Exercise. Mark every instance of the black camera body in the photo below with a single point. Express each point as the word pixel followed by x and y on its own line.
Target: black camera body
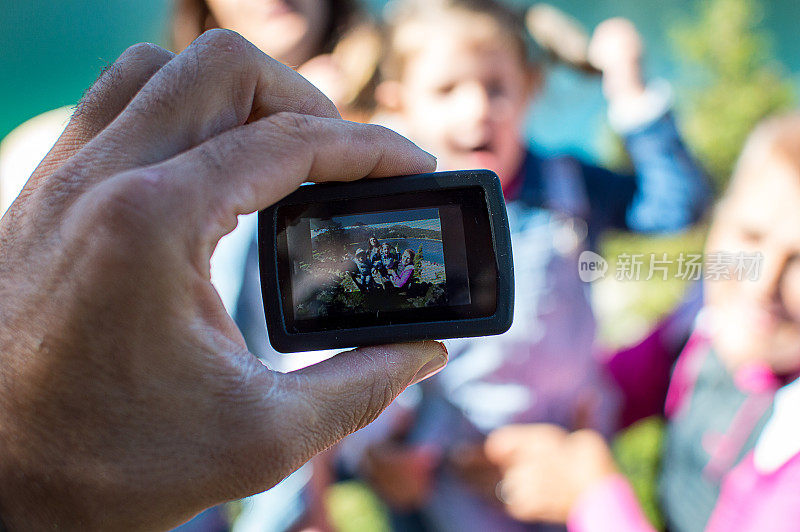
pixel 389 260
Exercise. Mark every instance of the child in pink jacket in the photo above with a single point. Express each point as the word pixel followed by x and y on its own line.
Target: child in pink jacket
pixel 731 456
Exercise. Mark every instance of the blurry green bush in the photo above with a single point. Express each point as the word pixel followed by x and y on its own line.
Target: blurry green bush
pixel 731 80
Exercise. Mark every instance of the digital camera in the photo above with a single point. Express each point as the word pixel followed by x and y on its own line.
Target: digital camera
pixel 375 261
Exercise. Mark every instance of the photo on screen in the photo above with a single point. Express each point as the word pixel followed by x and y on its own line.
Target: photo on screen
pixel 372 262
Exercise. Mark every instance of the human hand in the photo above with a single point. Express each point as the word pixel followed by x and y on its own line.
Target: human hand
pixel 401 474
pixel 472 466
pixel 616 49
pixel 545 469
pixel 128 397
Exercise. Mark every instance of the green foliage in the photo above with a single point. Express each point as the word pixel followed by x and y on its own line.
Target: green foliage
pixel 353 507
pixel 637 451
pixel 627 309
pixel 734 81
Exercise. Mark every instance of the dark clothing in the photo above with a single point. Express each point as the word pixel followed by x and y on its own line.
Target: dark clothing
pixel 667 193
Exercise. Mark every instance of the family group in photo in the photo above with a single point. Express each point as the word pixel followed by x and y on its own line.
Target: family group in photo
pixel 379 267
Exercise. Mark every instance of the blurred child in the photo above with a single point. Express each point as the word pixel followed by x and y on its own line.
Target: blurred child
pixel 720 470
pixel 459 79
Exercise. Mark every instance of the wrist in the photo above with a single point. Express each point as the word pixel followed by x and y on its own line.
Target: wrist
pixel 623 83
pixel 633 113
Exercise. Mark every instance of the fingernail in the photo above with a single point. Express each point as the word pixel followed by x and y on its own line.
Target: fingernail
pixel 431 368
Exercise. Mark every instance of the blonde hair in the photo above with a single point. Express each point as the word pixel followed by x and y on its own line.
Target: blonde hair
pixel 777 137
pixel 402 42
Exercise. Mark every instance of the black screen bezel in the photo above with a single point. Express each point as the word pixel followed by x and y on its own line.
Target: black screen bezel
pixel 481 263
pixel 273 274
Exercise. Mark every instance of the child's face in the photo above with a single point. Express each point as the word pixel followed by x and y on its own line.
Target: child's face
pixel 464 96
pixel 759 321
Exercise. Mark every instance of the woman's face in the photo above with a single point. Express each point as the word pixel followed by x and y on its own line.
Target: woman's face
pixel 385 249
pixel 407 258
pixel 759 320
pixel 373 241
pixel 290 31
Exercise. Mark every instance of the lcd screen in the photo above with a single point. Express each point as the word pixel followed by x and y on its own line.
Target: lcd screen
pixel 380 261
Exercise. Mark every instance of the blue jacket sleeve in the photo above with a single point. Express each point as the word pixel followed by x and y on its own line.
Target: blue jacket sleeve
pixel 668 192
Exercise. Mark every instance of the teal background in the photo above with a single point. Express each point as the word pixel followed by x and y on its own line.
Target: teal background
pixel 52 50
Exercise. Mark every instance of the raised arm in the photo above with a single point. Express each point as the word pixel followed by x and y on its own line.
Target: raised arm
pixel 400 281
pixel 668 191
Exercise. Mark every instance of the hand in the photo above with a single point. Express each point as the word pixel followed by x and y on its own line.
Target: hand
pixel 127 396
pixel 401 474
pixel 545 469
pixel 616 49
pixel 470 463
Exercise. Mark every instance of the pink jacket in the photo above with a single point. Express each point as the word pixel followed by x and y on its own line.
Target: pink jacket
pixel 762 492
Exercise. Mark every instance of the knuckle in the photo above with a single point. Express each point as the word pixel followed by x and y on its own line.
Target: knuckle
pixel 145 52
pixel 214 70
pixel 380 392
pixel 303 128
pixel 378 398
pixel 210 156
pixel 224 40
pixel 129 204
pixel 221 49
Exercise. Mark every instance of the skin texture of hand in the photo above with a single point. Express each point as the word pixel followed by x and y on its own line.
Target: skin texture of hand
pixel 128 399
pixel 546 469
pixel 616 49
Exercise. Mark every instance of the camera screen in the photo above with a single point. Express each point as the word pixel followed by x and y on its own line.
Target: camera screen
pixel 376 262
pixel 346 264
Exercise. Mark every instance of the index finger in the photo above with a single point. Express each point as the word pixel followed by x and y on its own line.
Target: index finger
pixel 251 167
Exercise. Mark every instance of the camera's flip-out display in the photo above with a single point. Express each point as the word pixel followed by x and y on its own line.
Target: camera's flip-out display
pixel 387 260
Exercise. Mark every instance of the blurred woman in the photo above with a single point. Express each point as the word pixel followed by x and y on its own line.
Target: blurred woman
pixel 331 42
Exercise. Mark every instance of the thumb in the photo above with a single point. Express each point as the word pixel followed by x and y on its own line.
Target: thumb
pixel 321 404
